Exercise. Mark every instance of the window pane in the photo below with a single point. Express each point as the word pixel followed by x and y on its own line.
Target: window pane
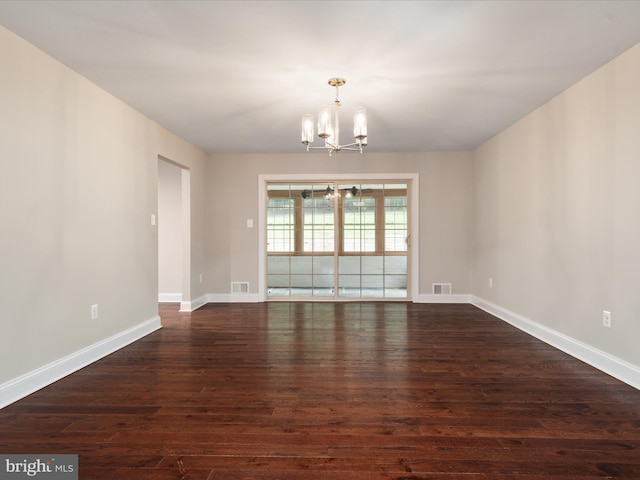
pixel 372 265
pixel 359 231
pixel 349 265
pixel 280 224
pixel 395 224
pixel 319 222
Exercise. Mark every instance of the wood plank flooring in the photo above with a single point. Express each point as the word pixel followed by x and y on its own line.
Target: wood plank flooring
pixel 317 391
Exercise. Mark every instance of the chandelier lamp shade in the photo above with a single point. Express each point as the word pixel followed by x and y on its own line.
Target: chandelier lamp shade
pixel 329 125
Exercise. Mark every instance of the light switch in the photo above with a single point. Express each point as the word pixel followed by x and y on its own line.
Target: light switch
pixel 250 223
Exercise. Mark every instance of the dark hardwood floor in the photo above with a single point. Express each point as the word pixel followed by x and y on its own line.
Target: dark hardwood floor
pixel 316 391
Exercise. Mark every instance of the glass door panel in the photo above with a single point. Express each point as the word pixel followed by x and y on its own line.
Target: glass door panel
pixel 318 221
pixel 323 276
pixel 372 276
pixel 359 224
pixel 300 240
pixel 349 278
pixel 348 235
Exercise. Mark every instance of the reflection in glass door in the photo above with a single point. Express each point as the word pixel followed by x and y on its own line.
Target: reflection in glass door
pixel 346 240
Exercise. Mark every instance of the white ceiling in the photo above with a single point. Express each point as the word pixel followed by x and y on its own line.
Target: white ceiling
pixel 235 76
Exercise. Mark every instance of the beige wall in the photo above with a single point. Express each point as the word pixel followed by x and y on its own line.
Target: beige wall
pixel 557 212
pixel 77 188
pixel 77 192
pixel 549 209
pixel 445 209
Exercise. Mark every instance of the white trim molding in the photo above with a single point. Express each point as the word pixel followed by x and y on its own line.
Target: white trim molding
pixel 190 306
pixel 219 298
pixel 616 367
pixel 412 178
pixel 33 381
pixel 169 297
pixel 454 298
pixel 234 298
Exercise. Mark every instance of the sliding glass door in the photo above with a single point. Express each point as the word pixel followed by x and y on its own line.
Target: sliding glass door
pixel 337 240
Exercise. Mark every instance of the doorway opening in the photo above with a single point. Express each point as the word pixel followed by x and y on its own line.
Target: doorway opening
pixel 174 233
pixel 346 239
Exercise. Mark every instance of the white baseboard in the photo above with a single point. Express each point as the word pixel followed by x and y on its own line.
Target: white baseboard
pixel 33 381
pixel 429 298
pixel 616 367
pixel 234 298
pixel 194 304
pixel 219 298
pixel 169 297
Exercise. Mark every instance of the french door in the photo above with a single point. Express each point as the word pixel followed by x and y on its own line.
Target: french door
pixel 337 240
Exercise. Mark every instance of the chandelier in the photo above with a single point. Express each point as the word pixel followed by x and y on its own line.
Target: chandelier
pixel 330 131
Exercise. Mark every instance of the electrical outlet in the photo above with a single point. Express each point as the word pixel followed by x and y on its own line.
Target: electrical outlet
pixel 490 282
pixel 94 311
pixel 606 319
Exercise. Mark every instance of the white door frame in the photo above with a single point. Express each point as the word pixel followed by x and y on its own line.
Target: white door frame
pixel 185 229
pixel 413 179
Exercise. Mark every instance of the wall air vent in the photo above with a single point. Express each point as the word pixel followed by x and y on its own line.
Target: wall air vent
pixel 441 288
pixel 239 287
